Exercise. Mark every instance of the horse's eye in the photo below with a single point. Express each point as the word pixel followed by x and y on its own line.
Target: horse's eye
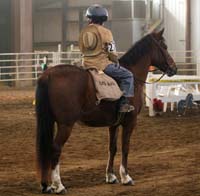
pixel 163 45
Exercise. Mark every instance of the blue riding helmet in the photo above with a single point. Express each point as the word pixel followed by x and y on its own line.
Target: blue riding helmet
pixel 97 12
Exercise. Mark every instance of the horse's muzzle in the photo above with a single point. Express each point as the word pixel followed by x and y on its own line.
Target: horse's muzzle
pixel 171 71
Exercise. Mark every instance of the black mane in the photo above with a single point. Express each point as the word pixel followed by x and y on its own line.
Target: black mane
pixel 138 50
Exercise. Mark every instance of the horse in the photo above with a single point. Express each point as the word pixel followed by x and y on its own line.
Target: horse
pixel 65 94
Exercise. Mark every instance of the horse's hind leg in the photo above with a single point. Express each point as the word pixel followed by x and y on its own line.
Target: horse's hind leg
pixel 126 134
pixel 110 176
pixel 62 136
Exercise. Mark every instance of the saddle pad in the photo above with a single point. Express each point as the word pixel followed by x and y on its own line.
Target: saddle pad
pixel 106 87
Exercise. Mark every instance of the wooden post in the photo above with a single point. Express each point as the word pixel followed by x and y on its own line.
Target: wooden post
pixel 64 23
pixel 22 33
pixel 188 30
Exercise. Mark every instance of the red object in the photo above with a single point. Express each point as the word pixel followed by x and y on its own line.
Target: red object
pixel 157 105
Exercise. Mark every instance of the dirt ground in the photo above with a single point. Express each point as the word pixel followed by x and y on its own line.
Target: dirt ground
pixel 164 155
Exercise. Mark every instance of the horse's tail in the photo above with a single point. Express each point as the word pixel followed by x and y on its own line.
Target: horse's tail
pixel 45 129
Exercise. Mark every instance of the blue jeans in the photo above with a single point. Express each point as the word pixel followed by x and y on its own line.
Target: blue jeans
pixel 123 77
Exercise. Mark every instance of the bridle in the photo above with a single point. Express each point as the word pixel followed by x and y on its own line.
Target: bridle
pixel 158 44
pixel 163 52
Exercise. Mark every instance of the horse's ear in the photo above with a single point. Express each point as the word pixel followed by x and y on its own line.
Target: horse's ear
pixel 160 33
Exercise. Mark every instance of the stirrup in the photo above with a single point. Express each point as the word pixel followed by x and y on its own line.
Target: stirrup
pixel 126 108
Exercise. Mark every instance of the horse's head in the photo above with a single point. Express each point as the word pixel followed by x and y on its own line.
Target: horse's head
pixel 161 57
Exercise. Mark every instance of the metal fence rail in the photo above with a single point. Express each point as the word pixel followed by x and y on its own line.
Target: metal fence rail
pixel 27 66
pixel 188 62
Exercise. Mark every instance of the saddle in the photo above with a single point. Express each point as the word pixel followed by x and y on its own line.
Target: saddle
pixel 106 87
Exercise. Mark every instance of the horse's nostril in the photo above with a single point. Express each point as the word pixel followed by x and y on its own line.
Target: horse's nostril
pixel 175 70
pixel 172 71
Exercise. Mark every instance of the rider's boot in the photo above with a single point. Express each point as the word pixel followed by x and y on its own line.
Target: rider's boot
pixel 124 105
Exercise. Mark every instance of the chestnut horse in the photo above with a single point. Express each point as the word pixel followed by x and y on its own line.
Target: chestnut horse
pixel 66 94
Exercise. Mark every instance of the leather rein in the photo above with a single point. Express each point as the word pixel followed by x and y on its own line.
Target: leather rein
pixel 142 81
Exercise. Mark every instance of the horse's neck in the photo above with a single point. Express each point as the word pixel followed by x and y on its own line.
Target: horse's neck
pixel 140 69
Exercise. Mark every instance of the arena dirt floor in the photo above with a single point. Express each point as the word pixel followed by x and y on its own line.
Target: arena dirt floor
pixel 164 155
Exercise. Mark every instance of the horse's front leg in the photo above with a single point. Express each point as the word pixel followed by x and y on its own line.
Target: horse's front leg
pixel 110 176
pixel 126 134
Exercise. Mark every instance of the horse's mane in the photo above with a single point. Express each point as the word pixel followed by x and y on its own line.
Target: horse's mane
pixel 138 50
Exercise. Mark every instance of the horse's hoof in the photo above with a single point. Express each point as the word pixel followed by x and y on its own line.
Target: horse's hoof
pixel 62 192
pixel 47 190
pixel 111 178
pixel 115 181
pixel 129 183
